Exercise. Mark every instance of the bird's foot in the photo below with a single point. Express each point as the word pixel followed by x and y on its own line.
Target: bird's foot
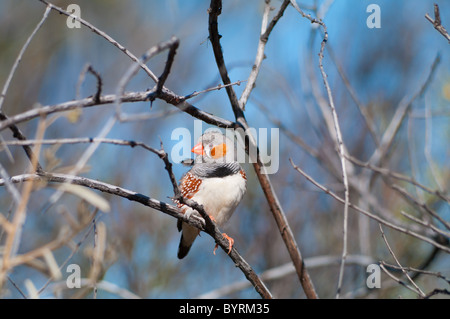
pixel 230 244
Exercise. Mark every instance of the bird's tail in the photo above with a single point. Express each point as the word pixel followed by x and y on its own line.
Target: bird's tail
pixel 188 236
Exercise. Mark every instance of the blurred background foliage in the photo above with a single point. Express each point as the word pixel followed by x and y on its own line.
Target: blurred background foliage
pixel 382 65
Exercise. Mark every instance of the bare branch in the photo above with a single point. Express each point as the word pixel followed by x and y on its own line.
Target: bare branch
pixel 166 95
pixel 218 87
pixel 399 116
pixel 389 173
pixel 171 44
pixel 18 219
pixel 422 205
pixel 399 281
pixel 264 37
pixel 160 206
pixel 437 22
pixel 369 214
pixel 258 59
pixel 103 285
pixel 19 57
pixel 361 108
pixel 162 79
pixel 215 9
pixel 285 270
pixel 421 293
pixel 98 93
pixel 272 199
pixel 420 271
pixel 437 291
pixel 105 36
pixel 339 140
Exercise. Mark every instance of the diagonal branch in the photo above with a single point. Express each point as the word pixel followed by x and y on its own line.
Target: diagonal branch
pixel 400 114
pixel 214 11
pixel 441 245
pixel 170 44
pixel 166 95
pixel 272 199
pixel 258 59
pixel 437 22
pixel 103 35
pixel 17 133
pixel 155 204
pixel 19 57
pixel 417 289
pixel 162 79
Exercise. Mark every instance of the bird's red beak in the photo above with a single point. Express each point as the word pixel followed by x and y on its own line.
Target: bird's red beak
pixel 198 149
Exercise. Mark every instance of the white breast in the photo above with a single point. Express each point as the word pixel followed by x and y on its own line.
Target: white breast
pixel 220 196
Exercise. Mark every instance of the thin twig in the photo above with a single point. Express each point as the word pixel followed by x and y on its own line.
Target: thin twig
pixel 369 214
pixel 264 37
pixel 103 285
pixel 400 114
pixel 170 58
pixel 437 22
pixel 79 140
pixel 82 161
pixel 361 108
pixel 166 95
pixel 17 133
pixel 399 281
pixel 18 219
pixel 103 35
pixel 74 250
pixel 19 57
pixel 339 140
pixel 437 291
pixel 422 205
pixel 421 293
pixel 17 198
pixel 155 204
pixel 426 224
pixel 133 70
pixel 416 270
pixel 286 270
pixel 98 93
pixel 218 87
pixel 17 287
pixel 427 147
pixel 258 59
pixel 401 177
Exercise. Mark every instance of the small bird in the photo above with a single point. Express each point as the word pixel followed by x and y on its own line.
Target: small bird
pixel 216 181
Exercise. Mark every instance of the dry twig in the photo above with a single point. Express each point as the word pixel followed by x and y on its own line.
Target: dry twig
pixel 437 22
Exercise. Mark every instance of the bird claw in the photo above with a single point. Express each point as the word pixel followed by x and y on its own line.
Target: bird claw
pixel 230 244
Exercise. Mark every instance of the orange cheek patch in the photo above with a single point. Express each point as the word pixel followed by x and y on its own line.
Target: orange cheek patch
pixel 219 151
